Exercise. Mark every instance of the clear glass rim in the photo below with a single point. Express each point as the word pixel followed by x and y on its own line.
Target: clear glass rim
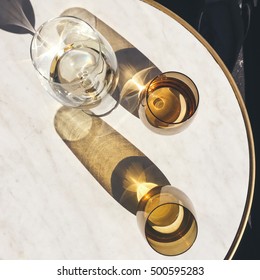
pixel 38 32
pixel 178 73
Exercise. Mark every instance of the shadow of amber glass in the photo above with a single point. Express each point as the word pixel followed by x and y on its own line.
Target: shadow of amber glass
pixel 120 168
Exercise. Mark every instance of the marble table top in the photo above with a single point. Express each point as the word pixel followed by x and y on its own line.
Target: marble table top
pixel 52 208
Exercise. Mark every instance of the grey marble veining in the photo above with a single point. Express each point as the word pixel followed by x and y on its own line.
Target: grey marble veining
pixel 52 208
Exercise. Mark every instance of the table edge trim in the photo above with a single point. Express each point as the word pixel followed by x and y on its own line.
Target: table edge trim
pixel 250 138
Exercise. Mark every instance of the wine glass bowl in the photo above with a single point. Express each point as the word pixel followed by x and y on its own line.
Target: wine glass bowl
pixel 168 103
pixel 75 63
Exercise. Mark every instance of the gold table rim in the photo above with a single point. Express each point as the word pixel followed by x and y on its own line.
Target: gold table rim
pixel 250 138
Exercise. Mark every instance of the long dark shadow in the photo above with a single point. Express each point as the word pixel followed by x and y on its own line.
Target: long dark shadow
pixel 119 167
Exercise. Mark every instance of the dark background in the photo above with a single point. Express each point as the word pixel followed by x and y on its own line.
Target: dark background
pixel 232 27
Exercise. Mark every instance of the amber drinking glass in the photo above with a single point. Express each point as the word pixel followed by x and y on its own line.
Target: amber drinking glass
pixel 168 103
pixel 167 219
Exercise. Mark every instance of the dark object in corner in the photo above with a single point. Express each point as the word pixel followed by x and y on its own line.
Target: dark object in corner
pixel 218 21
pixel 249 248
pixel 222 26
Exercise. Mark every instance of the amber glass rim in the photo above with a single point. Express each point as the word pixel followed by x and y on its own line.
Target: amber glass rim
pixel 178 199
pixel 179 73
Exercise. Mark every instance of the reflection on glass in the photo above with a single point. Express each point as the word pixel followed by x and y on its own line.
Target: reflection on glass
pixel 133 86
pixel 77 66
pixel 168 103
pixel 167 219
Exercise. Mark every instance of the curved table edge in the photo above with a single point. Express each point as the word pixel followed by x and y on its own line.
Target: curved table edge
pixel 251 147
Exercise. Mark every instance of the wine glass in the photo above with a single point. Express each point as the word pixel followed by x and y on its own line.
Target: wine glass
pixel 76 64
pixel 168 103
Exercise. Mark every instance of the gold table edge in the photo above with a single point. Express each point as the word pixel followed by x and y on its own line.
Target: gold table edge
pixel 252 159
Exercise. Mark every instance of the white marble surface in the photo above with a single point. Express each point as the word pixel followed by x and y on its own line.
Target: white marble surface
pixel 52 208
